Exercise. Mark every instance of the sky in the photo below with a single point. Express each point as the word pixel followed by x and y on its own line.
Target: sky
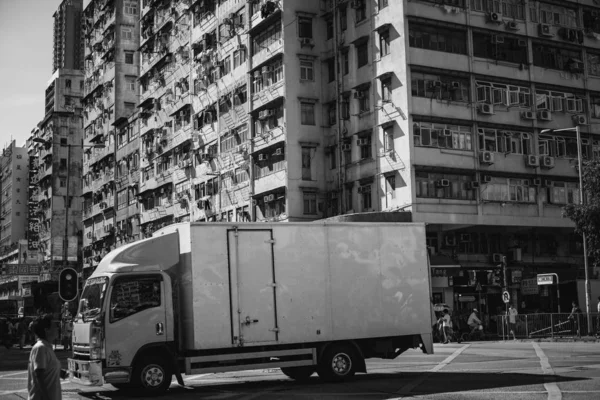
pixel 26 67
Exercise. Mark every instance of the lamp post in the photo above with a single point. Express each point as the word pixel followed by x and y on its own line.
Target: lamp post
pixel 583 235
pixel 67 197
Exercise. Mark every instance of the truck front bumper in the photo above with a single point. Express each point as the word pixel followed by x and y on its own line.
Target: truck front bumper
pixel 88 373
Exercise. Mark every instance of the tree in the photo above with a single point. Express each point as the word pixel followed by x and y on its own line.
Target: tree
pixel 587 216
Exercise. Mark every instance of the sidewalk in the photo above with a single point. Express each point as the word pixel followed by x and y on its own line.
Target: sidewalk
pixel 14 359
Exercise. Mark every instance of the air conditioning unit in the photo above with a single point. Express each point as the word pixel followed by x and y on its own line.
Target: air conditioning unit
pixel 495 17
pixel 486 157
pixel 497 257
pixel 473 185
pixel 579 119
pixel 269 198
pixel 527 115
pixel 486 109
pixel 346 147
pixel 359 94
pixel 512 25
pixel 263 157
pixel 205 157
pixel 264 114
pixel 450 240
pixel 545 30
pixel 278 152
pixel 447 132
pixel 544 115
pixel 547 162
pixel 363 142
pixel 532 161
pixel 522 43
pixel 486 179
pixel 465 237
pixel 442 183
pixel 497 39
pixel 307 42
pixel 357 3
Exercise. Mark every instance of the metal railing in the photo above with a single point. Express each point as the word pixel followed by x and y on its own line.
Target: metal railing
pixel 533 326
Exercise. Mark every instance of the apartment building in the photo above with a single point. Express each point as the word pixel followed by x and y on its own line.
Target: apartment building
pixel 13 199
pixel 55 148
pixel 68 41
pixel 111 36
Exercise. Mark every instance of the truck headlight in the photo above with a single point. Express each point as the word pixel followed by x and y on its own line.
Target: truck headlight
pixel 96 342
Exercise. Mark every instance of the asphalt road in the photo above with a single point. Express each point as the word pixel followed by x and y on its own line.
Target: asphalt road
pixel 474 371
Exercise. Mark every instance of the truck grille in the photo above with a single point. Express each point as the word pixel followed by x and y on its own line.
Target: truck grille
pixel 81 351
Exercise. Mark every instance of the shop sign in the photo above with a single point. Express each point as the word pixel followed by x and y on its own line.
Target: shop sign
pixel 529 286
pixel 466 299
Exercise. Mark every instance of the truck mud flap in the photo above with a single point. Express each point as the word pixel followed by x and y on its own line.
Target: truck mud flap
pixel 426 343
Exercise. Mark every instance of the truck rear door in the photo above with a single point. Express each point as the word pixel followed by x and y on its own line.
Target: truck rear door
pixel 252 277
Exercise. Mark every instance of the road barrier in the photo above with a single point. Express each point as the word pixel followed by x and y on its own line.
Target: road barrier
pixel 547 325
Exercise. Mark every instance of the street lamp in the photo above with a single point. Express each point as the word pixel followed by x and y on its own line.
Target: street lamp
pixel 583 235
pixel 67 197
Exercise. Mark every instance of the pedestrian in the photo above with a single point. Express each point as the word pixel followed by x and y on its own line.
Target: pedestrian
pixel 474 322
pixel 447 326
pixel 21 332
pixel 67 332
pixel 512 320
pixel 574 316
pixel 44 372
pixel 598 318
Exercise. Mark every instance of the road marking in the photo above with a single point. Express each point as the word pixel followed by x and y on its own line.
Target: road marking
pixel 3 392
pixel 406 389
pixel 552 388
pixel 13 374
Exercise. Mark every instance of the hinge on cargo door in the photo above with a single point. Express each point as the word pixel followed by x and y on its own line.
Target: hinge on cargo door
pixel 274 330
pixel 272 241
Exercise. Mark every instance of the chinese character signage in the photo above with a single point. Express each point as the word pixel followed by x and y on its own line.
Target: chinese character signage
pixel 19 269
pixel 33 227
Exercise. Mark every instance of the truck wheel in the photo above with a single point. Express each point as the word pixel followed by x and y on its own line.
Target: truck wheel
pixel 298 373
pixel 338 363
pixel 152 376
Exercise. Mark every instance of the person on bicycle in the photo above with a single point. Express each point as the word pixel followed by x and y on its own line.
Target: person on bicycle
pixel 474 322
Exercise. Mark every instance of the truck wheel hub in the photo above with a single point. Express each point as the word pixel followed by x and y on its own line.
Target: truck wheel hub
pixel 154 376
pixel 341 364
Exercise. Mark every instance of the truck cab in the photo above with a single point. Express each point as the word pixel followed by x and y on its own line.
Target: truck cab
pixel 125 316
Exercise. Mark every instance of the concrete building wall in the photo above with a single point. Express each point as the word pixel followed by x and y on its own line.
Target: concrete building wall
pixel 13 195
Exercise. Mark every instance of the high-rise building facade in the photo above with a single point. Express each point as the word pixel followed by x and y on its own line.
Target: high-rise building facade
pixel 56 145
pixel 111 96
pixel 13 196
pixel 68 41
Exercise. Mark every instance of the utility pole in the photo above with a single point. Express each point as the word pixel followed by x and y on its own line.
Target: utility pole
pixel 67 206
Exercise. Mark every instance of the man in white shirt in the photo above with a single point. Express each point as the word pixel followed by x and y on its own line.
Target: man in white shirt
pixel 474 322
pixel 598 319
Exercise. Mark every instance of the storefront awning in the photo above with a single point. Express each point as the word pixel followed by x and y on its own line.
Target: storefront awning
pixel 442 261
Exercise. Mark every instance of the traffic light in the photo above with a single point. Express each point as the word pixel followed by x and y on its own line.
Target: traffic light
pixel 68 284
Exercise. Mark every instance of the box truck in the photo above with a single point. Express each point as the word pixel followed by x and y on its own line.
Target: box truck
pixel 216 297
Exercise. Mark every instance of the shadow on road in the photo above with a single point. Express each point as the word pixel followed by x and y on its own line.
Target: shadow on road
pixel 14 359
pixel 371 385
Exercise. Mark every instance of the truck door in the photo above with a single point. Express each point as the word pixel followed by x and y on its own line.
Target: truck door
pixel 136 316
pixel 252 273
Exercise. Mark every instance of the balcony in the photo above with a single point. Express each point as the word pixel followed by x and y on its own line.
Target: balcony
pixel 268 138
pixel 272 12
pixel 106 178
pixel 270 181
pixel 267 53
pixel 268 94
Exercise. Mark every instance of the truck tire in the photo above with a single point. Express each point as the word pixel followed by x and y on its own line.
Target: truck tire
pixel 338 363
pixel 299 373
pixel 152 375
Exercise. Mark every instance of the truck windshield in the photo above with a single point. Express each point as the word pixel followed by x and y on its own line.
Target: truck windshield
pixel 92 298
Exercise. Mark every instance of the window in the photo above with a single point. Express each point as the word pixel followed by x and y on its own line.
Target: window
pixel 555 57
pixel 329 28
pixel 510 49
pixel 384 43
pixel 558 101
pixel 390 185
pixel 595 106
pixel 331 70
pixel 306 164
pixel 591 22
pixel 63 163
pixel 332 113
pixel 241 176
pixel 552 14
pixel 563 193
pixel 266 38
pixel 310 203
pixel 129 57
pixel 306 71
pixel 239 57
pixel 307 116
pixel 226 65
pixel 68 83
pixel 343 19
pixel 558 146
pixel 382 4
pixel 345 108
pixel 432 86
pixel 504 141
pixel 127 33
pixel 122 199
pixel 444 186
pixel 332 157
pixel 364 103
pixel 388 139
pixel 130 8
pixel 593 63
pixel 365 196
pixel 63 183
pixel 349 197
pixel 133 295
pixel 499 93
pixel 507 189
pixel 305 27
pixel 362 54
pixel 437 38
pixel 364 144
pixel 345 63
pixel 443 136
pixel 360 11
pixel 386 90
pixel 130 83
pixel 508 8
